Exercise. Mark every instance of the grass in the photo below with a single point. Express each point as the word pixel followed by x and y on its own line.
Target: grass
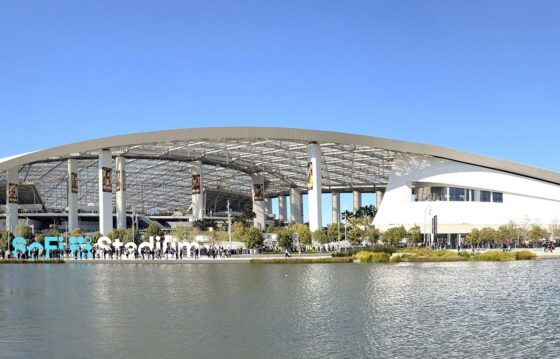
pixel 31 261
pixel 418 255
pixel 494 256
pixel 302 260
pixel 372 257
pixel 524 255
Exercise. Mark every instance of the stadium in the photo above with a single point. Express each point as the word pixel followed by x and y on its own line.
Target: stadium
pixel 176 177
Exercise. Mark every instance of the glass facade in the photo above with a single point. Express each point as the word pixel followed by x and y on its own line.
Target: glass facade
pixel 423 193
pixel 457 194
pixel 485 196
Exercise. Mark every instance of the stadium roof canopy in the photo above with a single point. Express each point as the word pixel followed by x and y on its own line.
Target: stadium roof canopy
pixel 158 163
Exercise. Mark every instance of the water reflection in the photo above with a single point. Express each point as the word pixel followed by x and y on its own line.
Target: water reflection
pixel 282 311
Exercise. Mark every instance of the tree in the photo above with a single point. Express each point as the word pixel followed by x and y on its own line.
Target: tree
pixel 24 231
pixel 153 231
pixel 40 238
pixel 372 234
pixel 5 237
pixel 254 238
pixel 488 235
pixel 394 235
pixel 181 233
pixel 473 238
pixel 505 234
pixel 355 235
pixel 284 237
pixel 303 233
pixel 238 232
pixel 320 236
pixel 77 233
pixel 537 233
pixel 95 236
pixel 52 233
pixel 415 234
pixel 247 215
pixel 333 232
pixel 204 224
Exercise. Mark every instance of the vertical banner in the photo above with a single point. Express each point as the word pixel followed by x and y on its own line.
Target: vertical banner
pixel 73 182
pixel 13 195
pixel 195 188
pixel 258 192
pixel 310 175
pixel 121 181
pixel 106 176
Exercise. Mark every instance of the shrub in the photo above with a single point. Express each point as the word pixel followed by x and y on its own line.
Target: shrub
pixel 495 256
pixel 372 257
pixel 525 255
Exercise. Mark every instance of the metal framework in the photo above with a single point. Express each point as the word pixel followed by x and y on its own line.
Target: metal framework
pixel 159 175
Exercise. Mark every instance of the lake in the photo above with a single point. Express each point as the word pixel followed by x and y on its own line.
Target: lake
pixel 491 310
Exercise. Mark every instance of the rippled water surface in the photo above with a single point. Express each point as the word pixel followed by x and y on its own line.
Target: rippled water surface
pixel 474 310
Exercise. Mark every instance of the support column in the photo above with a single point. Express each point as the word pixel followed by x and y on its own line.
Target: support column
pixel 296 208
pixel 197 191
pixel 282 209
pixel 314 194
pixel 105 192
pixel 258 201
pixel 121 192
pixel 72 195
pixel 378 198
pixel 335 207
pixel 356 200
pixel 12 199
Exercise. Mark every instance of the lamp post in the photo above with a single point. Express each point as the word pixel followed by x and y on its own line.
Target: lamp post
pixel 229 225
pixel 427 212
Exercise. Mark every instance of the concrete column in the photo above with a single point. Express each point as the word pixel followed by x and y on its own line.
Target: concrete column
pixel 72 195
pixel 356 200
pixel 296 205
pixel 335 207
pixel 197 190
pixel 121 192
pixel 259 201
pixel 105 192
pixel 314 194
pixel 378 198
pixel 282 209
pixel 12 199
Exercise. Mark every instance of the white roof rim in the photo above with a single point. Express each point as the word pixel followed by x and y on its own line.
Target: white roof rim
pixel 275 133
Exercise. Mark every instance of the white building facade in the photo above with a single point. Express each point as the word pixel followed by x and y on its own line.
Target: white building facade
pixel 462 196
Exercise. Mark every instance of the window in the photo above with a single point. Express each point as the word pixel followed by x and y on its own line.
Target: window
pixel 470 195
pixel 497 197
pixel 439 194
pixel 456 194
pixel 485 196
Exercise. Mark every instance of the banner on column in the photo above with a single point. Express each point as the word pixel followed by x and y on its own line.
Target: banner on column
pixel 258 192
pixel 13 193
pixel 195 188
pixel 106 178
pixel 73 182
pixel 121 178
pixel 310 175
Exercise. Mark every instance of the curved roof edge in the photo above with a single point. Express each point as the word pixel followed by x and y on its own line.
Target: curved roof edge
pixel 273 133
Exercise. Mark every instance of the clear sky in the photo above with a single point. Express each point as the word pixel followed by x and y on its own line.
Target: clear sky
pixel 476 75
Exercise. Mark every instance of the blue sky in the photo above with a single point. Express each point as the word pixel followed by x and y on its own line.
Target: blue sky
pixel 480 76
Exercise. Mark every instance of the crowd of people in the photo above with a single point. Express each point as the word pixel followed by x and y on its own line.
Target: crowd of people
pixel 120 253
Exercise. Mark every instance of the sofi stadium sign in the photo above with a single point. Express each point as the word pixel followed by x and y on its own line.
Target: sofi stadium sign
pixel 85 245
